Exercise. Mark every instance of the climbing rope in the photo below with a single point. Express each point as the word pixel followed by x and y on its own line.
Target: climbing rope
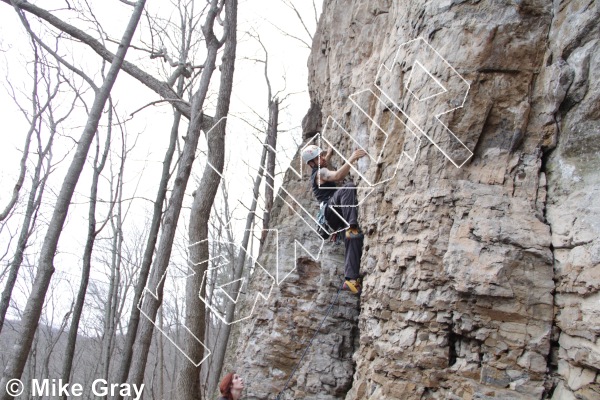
pixel 310 342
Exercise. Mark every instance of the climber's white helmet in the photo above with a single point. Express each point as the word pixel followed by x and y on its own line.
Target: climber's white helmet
pixel 311 152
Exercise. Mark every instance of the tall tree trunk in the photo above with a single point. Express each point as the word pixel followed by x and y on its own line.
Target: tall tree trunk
pixel 269 180
pixel 35 302
pixel 161 357
pixel 213 327
pixel 268 153
pixel 134 317
pixel 152 298
pixel 37 185
pixel 33 202
pixel 36 112
pixel 32 362
pixel 50 346
pixel 111 306
pixel 225 331
pixel 87 259
pixel 188 387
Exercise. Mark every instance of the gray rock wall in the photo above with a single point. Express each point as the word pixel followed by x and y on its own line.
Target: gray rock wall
pixel 573 204
pixel 271 343
pixel 482 281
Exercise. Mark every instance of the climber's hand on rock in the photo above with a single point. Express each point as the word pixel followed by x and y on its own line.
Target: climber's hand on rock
pixel 357 154
pixel 329 153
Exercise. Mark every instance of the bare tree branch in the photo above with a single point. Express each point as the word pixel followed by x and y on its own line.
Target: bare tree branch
pixel 55 54
pixel 161 88
pixel 293 7
pixel 45 268
pixel 36 113
pixel 138 48
pixel 285 34
pixel 154 103
pixel 256 37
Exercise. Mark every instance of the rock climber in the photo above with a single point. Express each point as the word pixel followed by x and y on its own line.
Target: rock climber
pixel 231 387
pixel 340 200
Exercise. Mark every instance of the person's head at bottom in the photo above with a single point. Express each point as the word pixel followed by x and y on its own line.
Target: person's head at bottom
pixel 231 386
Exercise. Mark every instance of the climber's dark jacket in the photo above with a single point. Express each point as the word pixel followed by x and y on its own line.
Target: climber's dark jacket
pixel 324 191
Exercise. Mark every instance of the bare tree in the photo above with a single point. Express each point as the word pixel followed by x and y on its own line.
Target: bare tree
pixel 186 37
pixel 189 378
pixel 38 180
pixel 111 313
pixel 270 171
pixel 222 332
pixel 137 349
pixel 92 231
pixel 36 113
pixel 52 343
pixel 33 308
pixel 220 349
pixel 306 43
pixel 219 229
pixel 162 88
pixel 47 338
pixel 271 146
pixel 188 386
pixel 142 280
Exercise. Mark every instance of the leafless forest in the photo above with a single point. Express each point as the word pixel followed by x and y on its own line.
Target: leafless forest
pixel 145 143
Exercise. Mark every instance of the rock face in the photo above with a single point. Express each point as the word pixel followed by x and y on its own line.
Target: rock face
pixel 483 270
pixel 272 342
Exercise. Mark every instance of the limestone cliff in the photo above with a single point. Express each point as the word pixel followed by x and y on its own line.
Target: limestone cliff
pixel 483 270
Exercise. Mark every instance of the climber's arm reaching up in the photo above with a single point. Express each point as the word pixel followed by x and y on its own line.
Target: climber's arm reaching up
pixel 326 175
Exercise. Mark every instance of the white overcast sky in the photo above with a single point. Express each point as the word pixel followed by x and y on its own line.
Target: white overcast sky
pixel 286 57
pixel 149 129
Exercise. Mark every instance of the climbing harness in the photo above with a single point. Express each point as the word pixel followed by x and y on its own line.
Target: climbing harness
pixel 323 227
pixel 310 342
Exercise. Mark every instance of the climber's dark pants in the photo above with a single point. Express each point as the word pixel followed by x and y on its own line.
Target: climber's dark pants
pixel 344 203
